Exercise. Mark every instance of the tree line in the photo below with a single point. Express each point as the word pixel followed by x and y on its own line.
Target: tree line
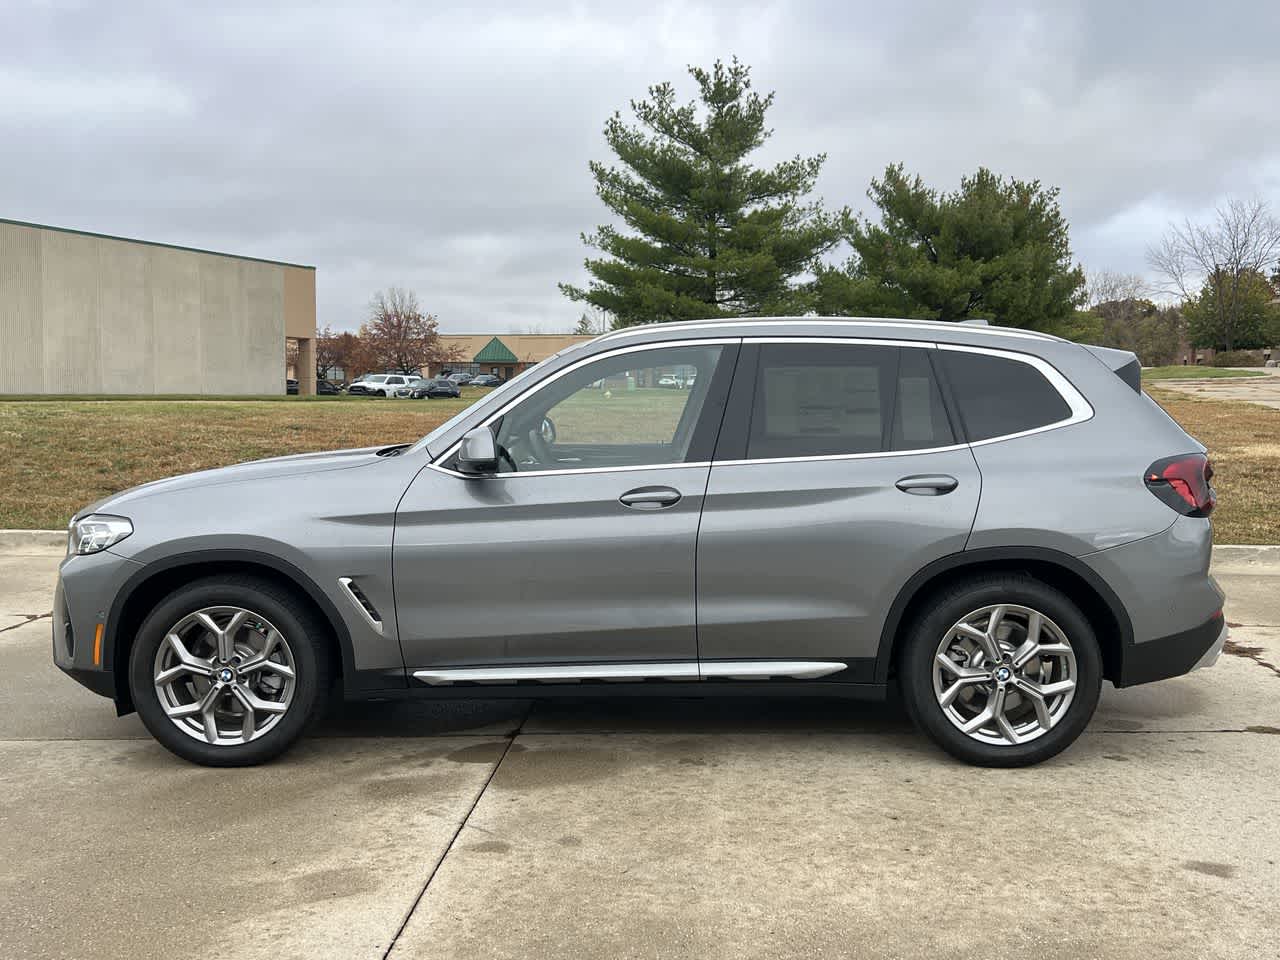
pixel 397 336
pixel 699 232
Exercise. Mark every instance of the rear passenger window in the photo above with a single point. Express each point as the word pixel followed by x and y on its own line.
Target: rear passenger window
pixel 998 396
pixel 825 399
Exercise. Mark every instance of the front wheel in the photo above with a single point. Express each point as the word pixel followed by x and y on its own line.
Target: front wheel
pixel 1001 671
pixel 229 671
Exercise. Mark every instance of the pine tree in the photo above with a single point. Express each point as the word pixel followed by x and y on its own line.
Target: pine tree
pixel 996 248
pixel 704 233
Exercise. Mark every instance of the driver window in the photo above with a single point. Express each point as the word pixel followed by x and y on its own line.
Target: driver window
pixel 630 409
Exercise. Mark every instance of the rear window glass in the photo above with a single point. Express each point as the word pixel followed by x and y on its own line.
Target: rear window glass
pixel 823 399
pixel 998 396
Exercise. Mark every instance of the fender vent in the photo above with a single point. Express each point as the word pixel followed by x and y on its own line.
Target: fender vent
pixel 362 603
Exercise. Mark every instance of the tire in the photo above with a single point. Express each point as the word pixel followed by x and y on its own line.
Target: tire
pixel 287 688
pixel 1042 715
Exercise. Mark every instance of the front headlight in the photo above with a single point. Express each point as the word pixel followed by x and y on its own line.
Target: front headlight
pixel 96 532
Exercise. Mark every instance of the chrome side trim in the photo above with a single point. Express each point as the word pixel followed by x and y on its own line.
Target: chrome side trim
pixel 881 455
pixel 681 670
pixel 560 674
pixel 756 669
pixel 572 470
pixel 345 583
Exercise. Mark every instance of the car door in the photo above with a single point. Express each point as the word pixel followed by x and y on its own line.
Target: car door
pixel 837 476
pixel 580 549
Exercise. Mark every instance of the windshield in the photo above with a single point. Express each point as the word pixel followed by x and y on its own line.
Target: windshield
pixel 375 378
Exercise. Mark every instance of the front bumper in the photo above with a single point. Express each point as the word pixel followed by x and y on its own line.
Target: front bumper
pixel 1174 655
pixel 86 589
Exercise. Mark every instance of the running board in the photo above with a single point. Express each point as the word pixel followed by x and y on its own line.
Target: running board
pixel 615 672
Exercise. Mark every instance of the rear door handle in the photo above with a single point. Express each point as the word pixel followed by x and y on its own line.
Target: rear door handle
pixel 650 498
pixel 932 485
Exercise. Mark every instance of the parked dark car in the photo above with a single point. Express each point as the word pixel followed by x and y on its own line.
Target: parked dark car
pixel 291 387
pixel 327 388
pixel 485 380
pixel 431 389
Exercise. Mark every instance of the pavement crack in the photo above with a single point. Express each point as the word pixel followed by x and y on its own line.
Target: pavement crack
pixel 413 908
pixel 30 618
pixel 1250 653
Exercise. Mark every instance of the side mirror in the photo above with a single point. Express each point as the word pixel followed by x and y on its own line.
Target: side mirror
pixel 478 452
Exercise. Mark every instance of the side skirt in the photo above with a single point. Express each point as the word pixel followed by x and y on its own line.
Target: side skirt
pixel 530 690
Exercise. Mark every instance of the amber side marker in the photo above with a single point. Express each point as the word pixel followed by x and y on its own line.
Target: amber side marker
pixel 97 644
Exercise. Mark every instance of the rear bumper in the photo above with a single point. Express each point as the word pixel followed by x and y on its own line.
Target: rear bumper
pixel 1174 655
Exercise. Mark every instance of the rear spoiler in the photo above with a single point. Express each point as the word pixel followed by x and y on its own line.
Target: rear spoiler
pixel 1122 363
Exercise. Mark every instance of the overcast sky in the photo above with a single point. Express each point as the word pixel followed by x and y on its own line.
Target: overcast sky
pixel 446 151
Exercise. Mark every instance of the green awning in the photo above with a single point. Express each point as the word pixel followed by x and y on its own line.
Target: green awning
pixel 495 351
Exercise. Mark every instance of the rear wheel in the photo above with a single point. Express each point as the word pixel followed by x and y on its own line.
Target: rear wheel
pixel 1001 671
pixel 229 671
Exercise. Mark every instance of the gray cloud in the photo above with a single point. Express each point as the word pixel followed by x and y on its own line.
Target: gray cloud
pixel 446 150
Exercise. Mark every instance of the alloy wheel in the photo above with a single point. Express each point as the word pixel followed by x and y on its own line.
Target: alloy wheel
pixel 224 675
pixel 1004 674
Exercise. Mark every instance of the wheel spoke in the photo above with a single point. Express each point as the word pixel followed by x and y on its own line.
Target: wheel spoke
pixel 957 670
pixel 254 702
pixel 209 624
pixel 226 636
pixel 949 695
pixel 186 658
pixel 210 721
pixel 247 725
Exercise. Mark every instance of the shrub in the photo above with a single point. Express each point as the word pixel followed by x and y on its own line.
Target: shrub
pixel 1238 358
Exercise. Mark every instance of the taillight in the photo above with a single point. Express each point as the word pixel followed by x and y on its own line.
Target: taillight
pixel 1183 483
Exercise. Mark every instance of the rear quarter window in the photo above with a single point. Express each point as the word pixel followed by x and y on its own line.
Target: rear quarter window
pixel 997 396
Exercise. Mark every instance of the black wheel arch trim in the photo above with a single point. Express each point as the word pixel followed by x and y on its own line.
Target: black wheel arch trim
pixel 350 676
pixel 986 556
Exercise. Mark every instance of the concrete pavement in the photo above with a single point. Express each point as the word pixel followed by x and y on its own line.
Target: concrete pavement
pixel 644 828
pixel 1260 390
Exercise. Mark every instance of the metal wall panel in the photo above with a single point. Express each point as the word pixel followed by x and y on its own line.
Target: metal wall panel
pixel 83 313
pixel 21 325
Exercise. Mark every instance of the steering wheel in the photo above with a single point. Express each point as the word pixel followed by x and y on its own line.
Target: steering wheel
pixel 539 445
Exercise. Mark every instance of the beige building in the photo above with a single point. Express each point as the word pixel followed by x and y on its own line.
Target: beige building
pixel 88 313
pixel 503 354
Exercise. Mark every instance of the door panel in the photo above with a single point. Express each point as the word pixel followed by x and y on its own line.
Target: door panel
pixel 802 559
pixel 581 548
pixel 544 568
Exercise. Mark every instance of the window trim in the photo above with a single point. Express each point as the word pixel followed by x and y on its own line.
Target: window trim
pixel 1079 406
pixel 438 463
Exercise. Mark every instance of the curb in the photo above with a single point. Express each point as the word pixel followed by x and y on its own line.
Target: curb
pixel 1225 554
pixel 32 538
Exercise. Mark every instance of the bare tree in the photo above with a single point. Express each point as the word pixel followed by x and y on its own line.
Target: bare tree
pixel 400 336
pixel 328 352
pixel 1107 286
pixel 1219 257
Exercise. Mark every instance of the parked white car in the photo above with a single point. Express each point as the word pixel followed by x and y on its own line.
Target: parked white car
pixel 379 384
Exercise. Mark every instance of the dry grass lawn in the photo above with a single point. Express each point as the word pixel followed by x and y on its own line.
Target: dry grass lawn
pixel 59 455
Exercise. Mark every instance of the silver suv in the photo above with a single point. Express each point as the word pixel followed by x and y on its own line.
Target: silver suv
pixel 992 521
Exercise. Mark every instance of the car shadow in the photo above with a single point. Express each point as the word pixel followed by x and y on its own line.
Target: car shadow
pixel 613 715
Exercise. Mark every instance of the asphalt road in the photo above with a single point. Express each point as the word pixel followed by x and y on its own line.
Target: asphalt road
pixel 664 829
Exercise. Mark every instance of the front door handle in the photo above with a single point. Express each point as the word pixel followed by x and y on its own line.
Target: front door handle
pixel 933 485
pixel 650 498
